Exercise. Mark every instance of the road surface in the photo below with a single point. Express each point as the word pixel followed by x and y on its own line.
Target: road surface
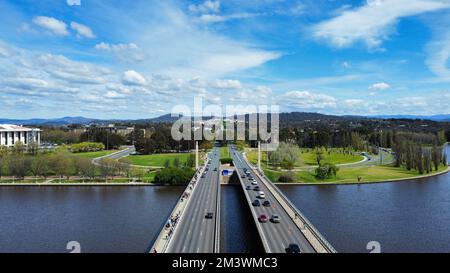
pixel 277 235
pixel 194 233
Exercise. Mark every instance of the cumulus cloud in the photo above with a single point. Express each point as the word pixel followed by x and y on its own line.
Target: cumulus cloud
pixel 228 84
pixel 308 101
pixel 74 2
pixel 51 24
pixel 132 77
pixel 125 52
pixel 379 86
pixel 205 7
pixel 372 23
pixel 82 30
pixel 70 71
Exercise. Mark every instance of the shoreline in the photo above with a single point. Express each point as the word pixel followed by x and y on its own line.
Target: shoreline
pixel 367 182
pixel 87 184
pixel 92 184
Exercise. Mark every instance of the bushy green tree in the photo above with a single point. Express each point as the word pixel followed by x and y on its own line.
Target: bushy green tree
pixel 174 176
pixel 326 170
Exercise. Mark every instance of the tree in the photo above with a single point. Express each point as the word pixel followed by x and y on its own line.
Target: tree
pixel 166 163
pixel 286 154
pixel 86 168
pixel 62 164
pixel 319 156
pixel 125 167
pixel 190 162
pixel 139 173
pixel 33 148
pixel 174 176
pixel 40 166
pixel 108 167
pixel 436 156
pixel 176 162
pixel 326 170
pixel 18 166
pixel 3 165
pixel 427 160
pixel 18 148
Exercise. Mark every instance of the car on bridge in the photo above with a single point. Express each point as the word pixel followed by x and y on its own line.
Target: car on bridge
pixel 275 218
pixel 254 182
pixel 209 215
pixel 248 188
pixel 256 188
pixel 256 203
pixel 266 203
pixel 261 195
pixel 263 218
pixel 293 248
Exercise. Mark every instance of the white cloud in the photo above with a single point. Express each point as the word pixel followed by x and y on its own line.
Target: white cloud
pixel 379 86
pixel 62 68
pixel 132 77
pixel 346 64
pixel 74 2
pixel 53 25
pixel 228 84
pixel 82 30
pixel 308 101
pixel 213 18
pixel 205 7
pixel 439 54
pixel 125 52
pixel 373 22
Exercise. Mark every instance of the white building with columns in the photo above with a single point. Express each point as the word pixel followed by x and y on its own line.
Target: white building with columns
pixel 11 134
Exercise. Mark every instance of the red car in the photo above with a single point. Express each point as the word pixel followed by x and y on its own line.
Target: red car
pixel 263 218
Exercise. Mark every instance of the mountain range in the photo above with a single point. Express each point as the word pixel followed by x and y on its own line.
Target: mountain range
pixel 169 118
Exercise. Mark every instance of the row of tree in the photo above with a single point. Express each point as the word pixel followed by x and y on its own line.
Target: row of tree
pixel 64 165
pixel 413 155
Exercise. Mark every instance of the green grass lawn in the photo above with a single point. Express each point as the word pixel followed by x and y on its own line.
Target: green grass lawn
pixel 93 155
pixel 224 152
pixel 347 175
pixel 157 160
pixel 308 157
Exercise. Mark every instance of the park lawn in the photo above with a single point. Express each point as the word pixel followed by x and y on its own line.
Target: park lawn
pixel 93 155
pixel 308 157
pixel 224 152
pixel 374 173
pixel 157 160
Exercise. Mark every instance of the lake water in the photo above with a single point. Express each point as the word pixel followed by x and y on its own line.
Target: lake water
pixel 412 216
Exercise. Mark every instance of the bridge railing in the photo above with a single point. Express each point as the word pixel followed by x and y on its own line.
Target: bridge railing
pixel 306 223
pixel 217 219
pixel 162 241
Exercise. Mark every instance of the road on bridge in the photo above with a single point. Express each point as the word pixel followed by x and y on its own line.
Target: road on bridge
pixel 277 236
pixel 195 233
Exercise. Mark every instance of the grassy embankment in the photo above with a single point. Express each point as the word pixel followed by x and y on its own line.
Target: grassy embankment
pixel 307 157
pixel 93 155
pixel 346 174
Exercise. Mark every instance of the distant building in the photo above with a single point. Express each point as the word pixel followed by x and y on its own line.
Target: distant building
pixel 10 134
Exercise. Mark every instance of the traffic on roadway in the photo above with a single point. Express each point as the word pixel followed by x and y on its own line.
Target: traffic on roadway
pixel 277 230
pixel 197 230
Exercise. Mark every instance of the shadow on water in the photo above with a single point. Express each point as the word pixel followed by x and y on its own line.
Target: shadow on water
pixel 238 230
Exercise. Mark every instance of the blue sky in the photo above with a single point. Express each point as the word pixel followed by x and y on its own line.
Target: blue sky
pixel 137 59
